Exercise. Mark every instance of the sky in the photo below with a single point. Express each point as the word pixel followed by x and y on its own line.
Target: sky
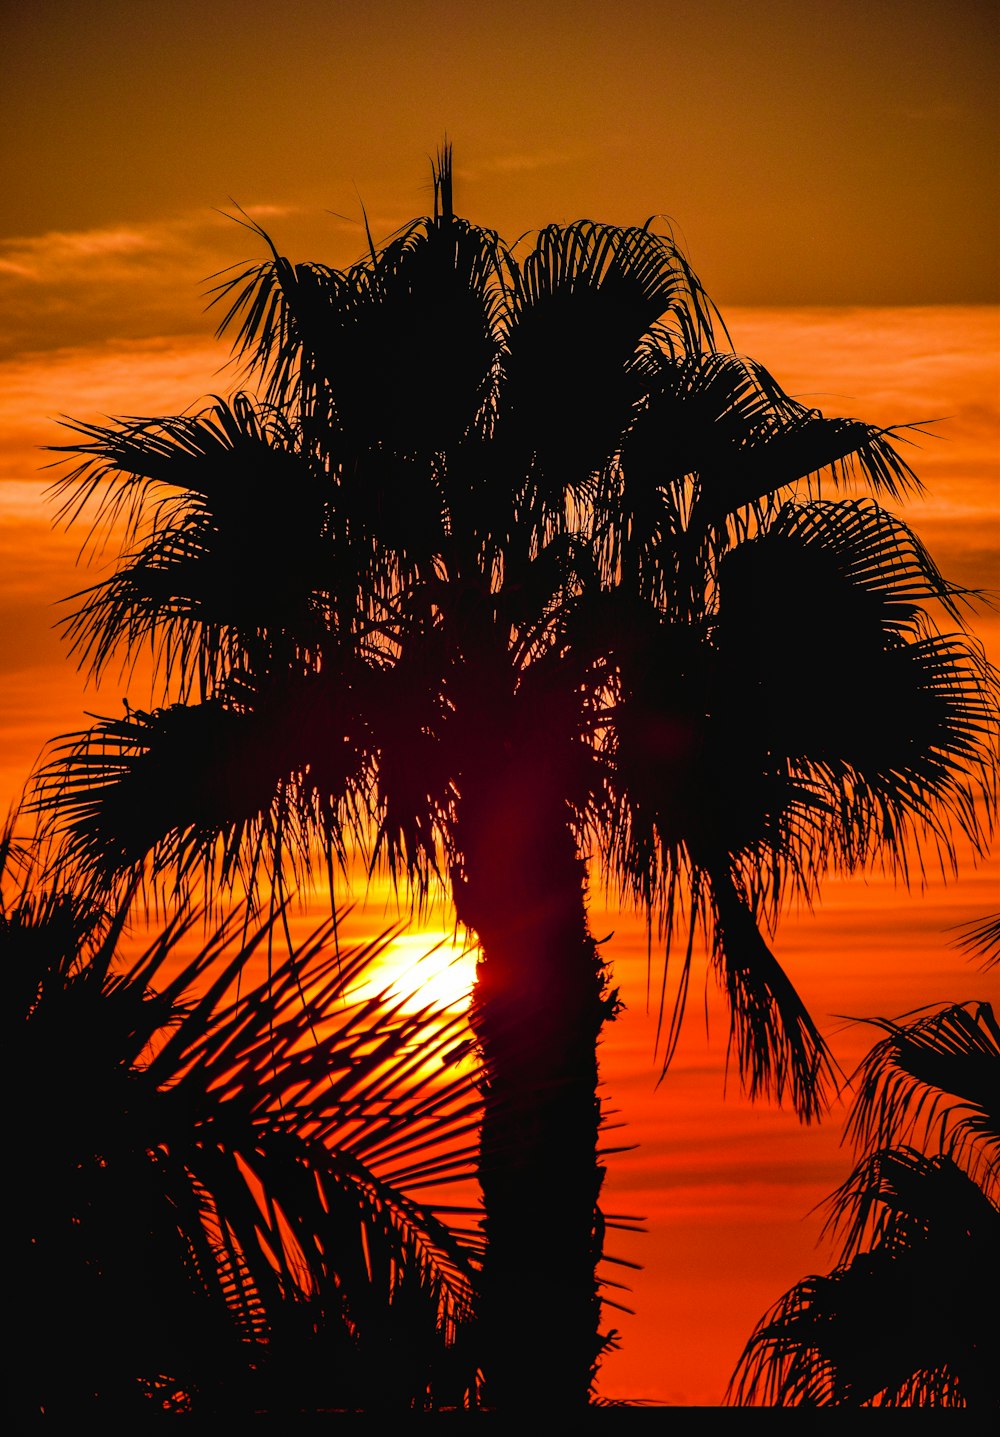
pixel 832 174
pixel 835 154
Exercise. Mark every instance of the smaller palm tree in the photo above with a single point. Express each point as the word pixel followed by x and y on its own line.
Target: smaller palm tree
pixel 221 1200
pixel 908 1315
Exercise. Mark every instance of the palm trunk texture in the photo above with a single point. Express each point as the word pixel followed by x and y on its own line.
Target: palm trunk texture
pixel 539 1004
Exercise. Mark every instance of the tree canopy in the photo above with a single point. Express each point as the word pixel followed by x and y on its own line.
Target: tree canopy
pixel 508 563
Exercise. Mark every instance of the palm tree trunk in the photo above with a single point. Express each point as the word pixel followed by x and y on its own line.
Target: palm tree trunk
pixel 539 1004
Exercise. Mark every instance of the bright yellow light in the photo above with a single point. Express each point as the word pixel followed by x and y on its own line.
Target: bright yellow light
pixel 427 968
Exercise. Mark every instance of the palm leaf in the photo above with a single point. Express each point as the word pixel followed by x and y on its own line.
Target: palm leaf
pixel 778 1045
pixel 896 1322
pixel 398 350
pixel 583 301
pixel 895 721
pixel 896 1325
pixel 265 1158
pixel 209 560
pixel 936 1075
pixel 981 939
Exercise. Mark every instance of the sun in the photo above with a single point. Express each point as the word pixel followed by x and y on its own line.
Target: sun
pixel 431 967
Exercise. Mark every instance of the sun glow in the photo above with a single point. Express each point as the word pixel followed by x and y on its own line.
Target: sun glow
pixel 430 968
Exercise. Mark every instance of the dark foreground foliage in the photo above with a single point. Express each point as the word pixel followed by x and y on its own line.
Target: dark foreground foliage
pixel 220 1186
pixel 908 1317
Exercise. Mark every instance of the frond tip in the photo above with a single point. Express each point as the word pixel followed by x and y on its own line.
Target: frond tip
pixel 441 170
pixel 778 1045
pixel 981 939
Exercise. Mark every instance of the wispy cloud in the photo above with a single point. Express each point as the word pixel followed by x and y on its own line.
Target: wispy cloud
pixel 137 281
pixel 114 377
pixel 521 163
pixel 65 289
pixel 43 254
pixel 23 271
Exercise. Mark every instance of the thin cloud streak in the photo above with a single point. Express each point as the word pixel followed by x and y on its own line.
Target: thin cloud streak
pixel 164 375
pixel 62 290
pixel 65 289
pixel 525 162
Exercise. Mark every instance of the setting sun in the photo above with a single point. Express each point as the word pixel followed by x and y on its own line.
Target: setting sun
pixel 431 967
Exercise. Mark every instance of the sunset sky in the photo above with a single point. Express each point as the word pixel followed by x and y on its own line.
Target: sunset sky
pixel 832 174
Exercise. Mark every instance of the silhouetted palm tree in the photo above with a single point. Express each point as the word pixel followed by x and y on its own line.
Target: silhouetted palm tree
pixel 509 565
pixel 908 1316
pixel 219 1201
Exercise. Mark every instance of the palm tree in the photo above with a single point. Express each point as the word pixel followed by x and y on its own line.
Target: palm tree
pixel 506 565
pixel 221 1193
pixel 904 1318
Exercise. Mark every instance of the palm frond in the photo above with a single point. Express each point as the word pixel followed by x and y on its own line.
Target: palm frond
pixel 937 1077
pixel 894 721
pixel 778 1046
pixel 981 939
pixel 715 436
pixel 197 452
pixel 895 1325
pixel 583 301
pixel 271 1156
pixel 202 788
pixel 209 559
pixel 897 1322
pixel 398 350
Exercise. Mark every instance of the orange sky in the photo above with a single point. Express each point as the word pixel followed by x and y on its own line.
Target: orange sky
pixel 839 162
pixel 842 153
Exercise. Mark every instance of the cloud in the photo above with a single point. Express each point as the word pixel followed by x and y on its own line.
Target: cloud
pixel 159 375
pixel 22 271
pixel 64 289
pixel 520 162
pixel 937 367
pixel 51 251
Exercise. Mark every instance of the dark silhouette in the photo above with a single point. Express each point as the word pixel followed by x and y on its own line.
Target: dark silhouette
pixel 219 1201
pixel 908 1315
pixel 509 565
pixel 982 939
